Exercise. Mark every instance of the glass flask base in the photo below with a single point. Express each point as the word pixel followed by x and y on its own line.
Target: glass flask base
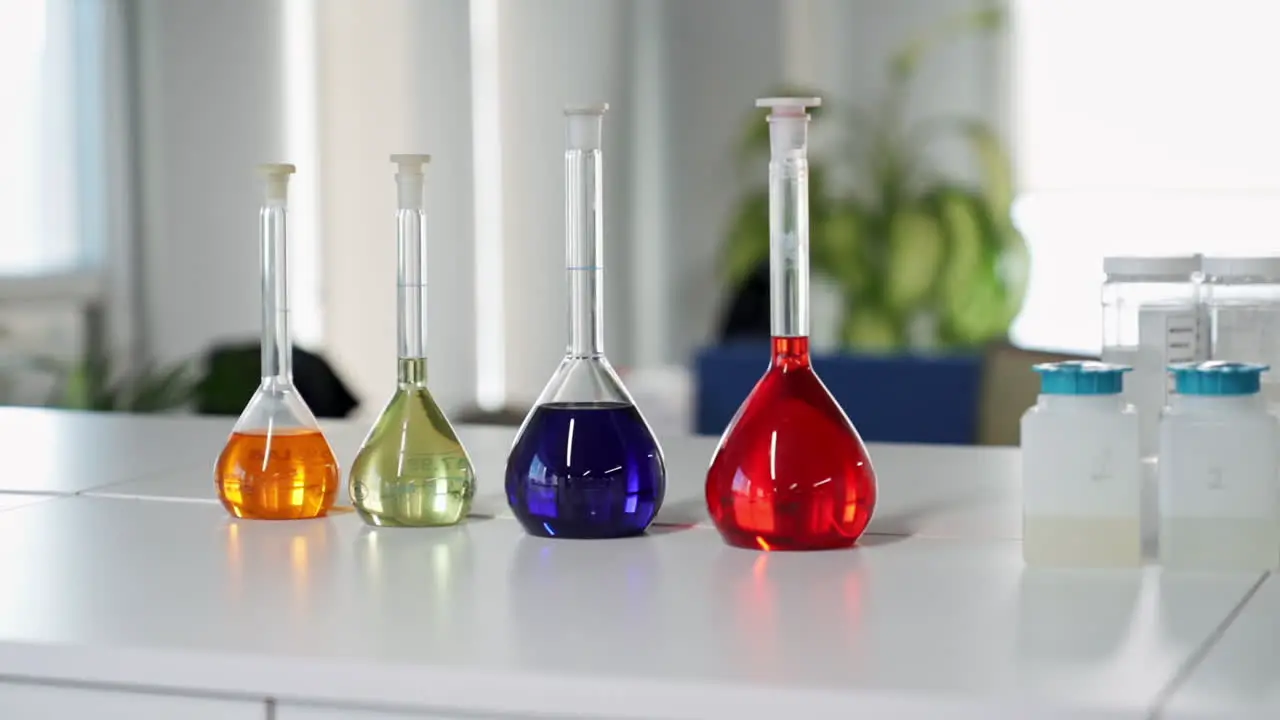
pixel 282 475
pixel 784 543
pixel 437 502
pixel 589 470
pixel 412 470
pixel 791 472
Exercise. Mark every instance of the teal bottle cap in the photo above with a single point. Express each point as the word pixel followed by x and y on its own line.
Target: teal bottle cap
pixel 1081 377
pixel 1217 377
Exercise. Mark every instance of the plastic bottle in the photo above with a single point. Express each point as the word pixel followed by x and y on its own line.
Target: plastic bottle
pixel 1152 317
pixel 1219 506
pixel 1081 469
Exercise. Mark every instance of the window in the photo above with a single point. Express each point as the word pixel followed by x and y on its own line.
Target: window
pixel 56 202
pixel 40 140
pixel 1142 127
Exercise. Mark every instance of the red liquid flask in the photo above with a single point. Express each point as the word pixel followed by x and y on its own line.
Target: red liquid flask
pixel 790 472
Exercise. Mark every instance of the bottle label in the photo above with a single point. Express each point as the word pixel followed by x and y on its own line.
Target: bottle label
pixel 1218 469
pixel 1168 334
pixel 1081 464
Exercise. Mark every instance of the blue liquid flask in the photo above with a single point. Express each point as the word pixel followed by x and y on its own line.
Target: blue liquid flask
pixel 585 464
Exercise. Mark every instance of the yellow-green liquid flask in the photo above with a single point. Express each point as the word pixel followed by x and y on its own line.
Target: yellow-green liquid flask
pixel 412 470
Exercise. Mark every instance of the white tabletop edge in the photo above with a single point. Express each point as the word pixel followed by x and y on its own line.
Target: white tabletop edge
pixel 327 684
pixel 1182 701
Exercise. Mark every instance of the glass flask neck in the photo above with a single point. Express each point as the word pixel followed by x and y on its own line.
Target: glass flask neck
pixel 789 232
pixel 791 353
pixel 412 372
pixel 277 347
pixel 584 257
pixel 411 308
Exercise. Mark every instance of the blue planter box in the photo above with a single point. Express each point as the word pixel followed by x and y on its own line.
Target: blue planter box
pixel 894 398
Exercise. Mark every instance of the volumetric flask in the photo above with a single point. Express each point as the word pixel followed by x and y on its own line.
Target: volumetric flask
pixel 790 472
pixel 585 463
pixel 412 471
pixel 277 465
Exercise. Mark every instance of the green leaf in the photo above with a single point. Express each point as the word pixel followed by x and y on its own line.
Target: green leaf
pixel 976 299
pixel 89 385
pixel 870 329
pixel 77 393
pixel 748 241
pixel 164 390
pixel 995 168
pixel 902 243
pixel 977 316
pixel 917 247
pixel 959 215
pixel 837 246
pixel 1013 267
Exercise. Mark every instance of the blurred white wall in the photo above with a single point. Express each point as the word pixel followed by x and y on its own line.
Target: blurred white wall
pixel 553 53
pixel 394 79
pixel 843 47
pixel 209 109
pixel 720 60
pixel 398 75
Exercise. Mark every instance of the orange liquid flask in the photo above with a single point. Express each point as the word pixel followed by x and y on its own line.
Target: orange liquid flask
pixel 277 465
pixel 791 472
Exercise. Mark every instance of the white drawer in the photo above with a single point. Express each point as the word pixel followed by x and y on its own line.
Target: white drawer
pixel 20 701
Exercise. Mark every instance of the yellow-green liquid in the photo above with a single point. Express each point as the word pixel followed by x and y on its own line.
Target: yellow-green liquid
pixel 412 471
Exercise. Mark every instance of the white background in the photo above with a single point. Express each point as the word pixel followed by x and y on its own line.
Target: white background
pixel 1138 126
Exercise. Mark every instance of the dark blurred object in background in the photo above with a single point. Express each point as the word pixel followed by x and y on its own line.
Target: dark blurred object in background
pixel 508 416
pixel 233 372
pixel 747 317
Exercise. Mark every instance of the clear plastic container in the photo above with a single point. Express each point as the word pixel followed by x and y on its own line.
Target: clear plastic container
pixel 1219 460
pixel 1081 470
pixel 1152 317
pixel 1242 300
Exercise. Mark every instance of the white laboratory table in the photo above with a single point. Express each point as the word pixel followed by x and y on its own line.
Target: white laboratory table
pixel 1240 675
pixel 62 452
pixel 128 592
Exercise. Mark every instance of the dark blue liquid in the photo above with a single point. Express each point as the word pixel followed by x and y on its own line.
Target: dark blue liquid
pixel 585 470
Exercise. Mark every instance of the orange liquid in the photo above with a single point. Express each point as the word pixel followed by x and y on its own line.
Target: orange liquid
pixel 284 475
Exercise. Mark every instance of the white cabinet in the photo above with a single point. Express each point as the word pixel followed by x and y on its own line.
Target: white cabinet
pixel 20 701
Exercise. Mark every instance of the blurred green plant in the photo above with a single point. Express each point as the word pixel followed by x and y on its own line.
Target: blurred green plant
pixel 95 384
pixel 922 261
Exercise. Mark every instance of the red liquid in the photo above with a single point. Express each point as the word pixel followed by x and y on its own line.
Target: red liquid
pixel 791 472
